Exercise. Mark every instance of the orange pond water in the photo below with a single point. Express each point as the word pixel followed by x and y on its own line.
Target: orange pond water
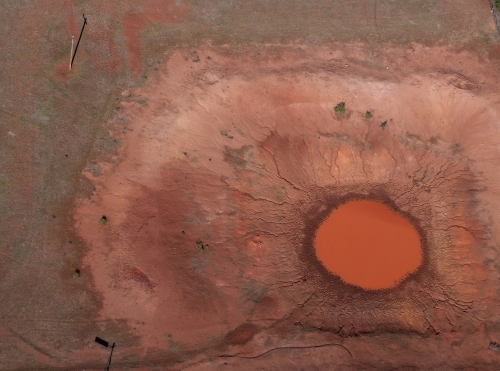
pixel 369 245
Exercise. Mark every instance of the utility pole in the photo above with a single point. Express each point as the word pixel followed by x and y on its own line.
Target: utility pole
pixel 71 54
pixel 109 360
pixel 78 42
pixel 105 344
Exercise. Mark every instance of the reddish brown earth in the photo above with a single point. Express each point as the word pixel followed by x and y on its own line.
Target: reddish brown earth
pixel 367 244
pixel 206 134
pixel 232 161
pixel 159 12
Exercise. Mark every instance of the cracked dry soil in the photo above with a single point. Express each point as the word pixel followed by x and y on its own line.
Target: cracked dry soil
pixel 233 162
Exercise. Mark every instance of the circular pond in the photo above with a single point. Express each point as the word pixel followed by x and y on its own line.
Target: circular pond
pixel 369 245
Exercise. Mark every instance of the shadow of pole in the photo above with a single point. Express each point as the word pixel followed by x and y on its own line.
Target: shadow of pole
pixel 109 359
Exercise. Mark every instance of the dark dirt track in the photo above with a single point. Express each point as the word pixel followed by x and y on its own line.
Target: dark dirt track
pixel 53 126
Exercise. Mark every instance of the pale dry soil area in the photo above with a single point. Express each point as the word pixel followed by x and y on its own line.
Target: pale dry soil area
pixel 230 159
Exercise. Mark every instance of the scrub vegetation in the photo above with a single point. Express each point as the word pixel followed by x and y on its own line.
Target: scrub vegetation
pixel 340 108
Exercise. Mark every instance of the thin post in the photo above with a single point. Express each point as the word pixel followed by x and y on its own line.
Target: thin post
pixel 109 360
pixel 71 54
pixel 79 38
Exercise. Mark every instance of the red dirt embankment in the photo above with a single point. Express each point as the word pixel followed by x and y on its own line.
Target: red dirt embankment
pixel 230 162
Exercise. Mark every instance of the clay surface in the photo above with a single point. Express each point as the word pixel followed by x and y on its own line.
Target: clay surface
pixel 228 169
pixel 164 195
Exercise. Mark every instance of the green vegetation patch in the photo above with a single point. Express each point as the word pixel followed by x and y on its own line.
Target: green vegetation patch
pixel 200 246
pixel 340 108
pixel 236 157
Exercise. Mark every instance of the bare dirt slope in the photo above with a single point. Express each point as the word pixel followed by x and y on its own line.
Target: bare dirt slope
pixel 206 134
pixel 230 163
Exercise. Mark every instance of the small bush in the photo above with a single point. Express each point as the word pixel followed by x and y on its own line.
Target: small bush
pixel 497 4
pixel 76 273
pixel 383 125
pixel 340 108
pixel 103 220
pixel 368 115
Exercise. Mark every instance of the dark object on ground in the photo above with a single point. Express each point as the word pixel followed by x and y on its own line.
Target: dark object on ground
pixel 494 345
pixel 101 341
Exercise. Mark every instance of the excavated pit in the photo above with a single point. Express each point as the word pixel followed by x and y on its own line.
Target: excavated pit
pixel 234 161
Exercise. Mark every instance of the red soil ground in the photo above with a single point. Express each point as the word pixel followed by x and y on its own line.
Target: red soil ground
pixel 207 135
pixel 369 245
pixel 159 12
pixel 228 167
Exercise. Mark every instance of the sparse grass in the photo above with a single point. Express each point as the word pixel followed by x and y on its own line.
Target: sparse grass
pixel 456 149
pixel 142 102
pixel 383 125
pixel 236 157
pixel 368 115
pixel 141 80
pixel 486 38
pixel 340 108
pixel 103 220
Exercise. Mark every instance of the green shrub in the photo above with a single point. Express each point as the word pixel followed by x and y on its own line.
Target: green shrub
pixel 200 246
pixel 340 108
pixel 368 115
pixel 383 125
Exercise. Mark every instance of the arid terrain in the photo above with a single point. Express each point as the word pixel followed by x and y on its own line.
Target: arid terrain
pixel 165 193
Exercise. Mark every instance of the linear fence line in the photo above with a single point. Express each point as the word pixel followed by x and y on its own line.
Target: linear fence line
pixel 496 15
